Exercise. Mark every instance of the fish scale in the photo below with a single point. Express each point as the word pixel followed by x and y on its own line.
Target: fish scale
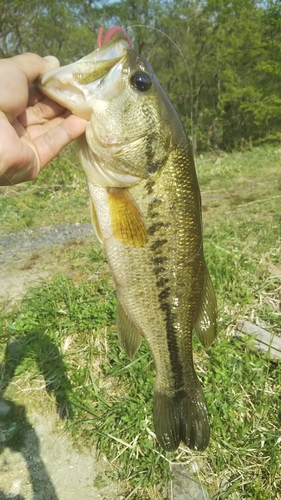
pixel 146 211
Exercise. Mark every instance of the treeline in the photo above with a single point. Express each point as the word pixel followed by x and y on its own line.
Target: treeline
pixel 224 78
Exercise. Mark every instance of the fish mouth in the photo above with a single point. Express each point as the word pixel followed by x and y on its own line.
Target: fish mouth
pixel 73 85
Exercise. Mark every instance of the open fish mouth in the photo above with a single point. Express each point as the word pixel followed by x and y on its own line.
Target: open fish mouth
pixel 73 85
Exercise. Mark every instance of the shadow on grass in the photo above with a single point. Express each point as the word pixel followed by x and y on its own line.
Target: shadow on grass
pixel 17 433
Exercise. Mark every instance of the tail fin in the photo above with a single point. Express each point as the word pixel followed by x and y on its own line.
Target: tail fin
pixel 182 417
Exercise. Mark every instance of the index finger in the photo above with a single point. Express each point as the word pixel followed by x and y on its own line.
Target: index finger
pixel 33 65
pixel 16 74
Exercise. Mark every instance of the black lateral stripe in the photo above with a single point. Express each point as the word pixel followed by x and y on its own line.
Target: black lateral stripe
pixel 159 260
pixel 159 270
pixel 157 245
pixel 171 335
pixel 155 227
pixel 164 297
pixel 162 281
pixel 150 186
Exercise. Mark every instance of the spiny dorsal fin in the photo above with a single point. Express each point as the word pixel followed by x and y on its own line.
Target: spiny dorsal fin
pixel 129 337
pixel 126 221
pixel 206 324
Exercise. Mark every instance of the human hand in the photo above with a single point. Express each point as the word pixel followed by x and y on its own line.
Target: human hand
pixel 33 128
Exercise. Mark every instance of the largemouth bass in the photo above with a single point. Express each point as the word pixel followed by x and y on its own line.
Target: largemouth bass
pixel 146 211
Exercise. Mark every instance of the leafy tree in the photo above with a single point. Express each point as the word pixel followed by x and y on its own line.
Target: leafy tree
pixel 45 27
pixel 218 61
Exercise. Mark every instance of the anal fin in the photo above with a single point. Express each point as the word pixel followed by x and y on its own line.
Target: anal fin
pixel 129 337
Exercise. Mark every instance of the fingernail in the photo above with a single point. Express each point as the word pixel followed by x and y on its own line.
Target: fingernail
pixel 52 60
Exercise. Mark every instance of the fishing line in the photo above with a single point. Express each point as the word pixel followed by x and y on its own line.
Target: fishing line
pixel 185 63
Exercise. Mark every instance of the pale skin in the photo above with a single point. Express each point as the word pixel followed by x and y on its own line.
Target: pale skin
pixel 33 128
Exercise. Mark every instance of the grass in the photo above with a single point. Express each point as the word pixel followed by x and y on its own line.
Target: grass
pixel 59 194
pixel 66 337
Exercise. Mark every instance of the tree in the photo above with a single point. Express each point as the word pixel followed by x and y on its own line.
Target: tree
pixel 45 27
pixel 218 61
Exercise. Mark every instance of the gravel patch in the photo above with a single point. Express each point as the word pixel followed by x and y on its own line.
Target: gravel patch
pixel 18 274
pixel 18 243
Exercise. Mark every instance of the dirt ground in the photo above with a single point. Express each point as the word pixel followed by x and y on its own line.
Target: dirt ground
pixel 48 467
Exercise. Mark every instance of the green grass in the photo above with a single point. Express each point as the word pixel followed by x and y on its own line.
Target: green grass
pixel 59 194
pixel 66 334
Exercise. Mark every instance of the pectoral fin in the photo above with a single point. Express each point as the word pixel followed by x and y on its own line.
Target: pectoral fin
pixel 126 221
pixel 206 324
pixel 129 337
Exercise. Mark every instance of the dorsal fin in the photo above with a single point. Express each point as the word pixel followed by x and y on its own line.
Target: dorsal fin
pixel 206 324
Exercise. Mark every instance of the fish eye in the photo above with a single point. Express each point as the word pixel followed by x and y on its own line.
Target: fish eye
pixel 141 81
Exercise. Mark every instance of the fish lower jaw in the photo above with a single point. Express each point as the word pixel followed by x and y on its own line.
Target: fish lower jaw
pixel 65 93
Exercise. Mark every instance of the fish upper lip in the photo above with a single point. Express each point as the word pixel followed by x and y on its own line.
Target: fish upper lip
pixel 70 72
pixel 69 85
